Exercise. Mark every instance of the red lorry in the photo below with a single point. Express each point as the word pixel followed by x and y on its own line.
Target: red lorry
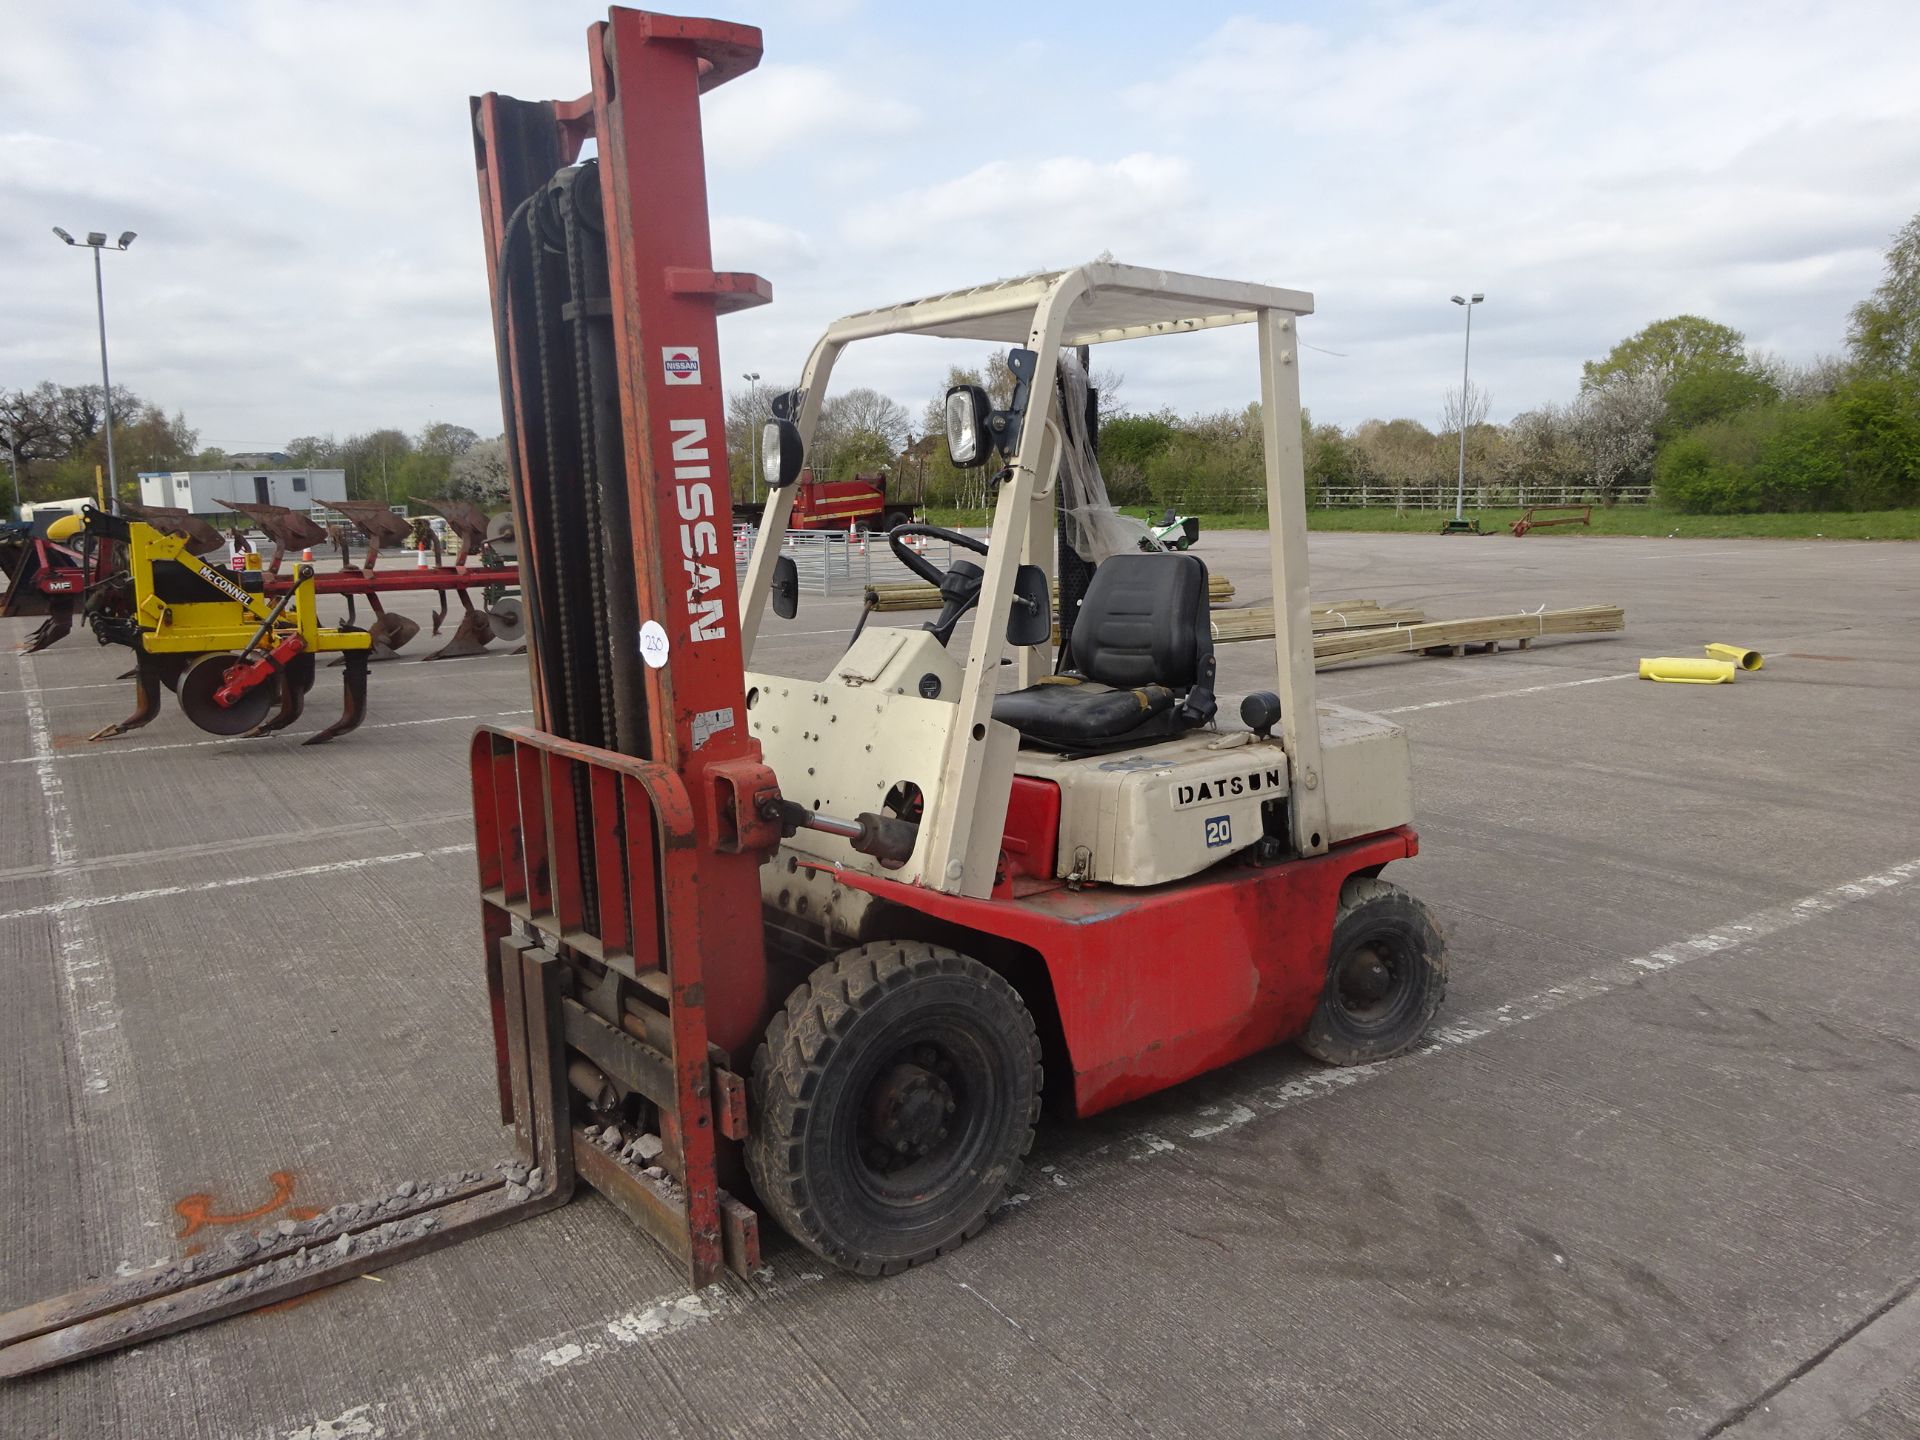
pixel 860 503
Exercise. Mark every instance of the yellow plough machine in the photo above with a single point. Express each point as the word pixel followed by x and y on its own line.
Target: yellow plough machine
pixel 217 638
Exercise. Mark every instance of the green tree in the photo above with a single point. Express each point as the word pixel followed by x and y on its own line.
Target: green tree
pixel 1883 332
pixel 1667 349
pixel 1880 414
pixel 1331 459
pixel 1710 392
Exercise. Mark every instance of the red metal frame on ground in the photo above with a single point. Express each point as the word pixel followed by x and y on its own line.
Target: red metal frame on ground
pixel 1539 517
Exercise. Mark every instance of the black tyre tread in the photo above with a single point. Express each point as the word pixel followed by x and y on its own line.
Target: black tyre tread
pixel 799 1044
pixel 1359 891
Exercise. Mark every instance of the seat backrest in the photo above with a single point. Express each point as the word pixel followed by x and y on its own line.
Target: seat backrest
pixel 1144 621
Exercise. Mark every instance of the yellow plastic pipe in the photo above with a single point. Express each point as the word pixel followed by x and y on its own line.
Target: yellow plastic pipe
pixel 1744 658
pixel 1683 670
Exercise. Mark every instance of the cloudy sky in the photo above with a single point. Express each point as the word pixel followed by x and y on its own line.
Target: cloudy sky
pixel 300 176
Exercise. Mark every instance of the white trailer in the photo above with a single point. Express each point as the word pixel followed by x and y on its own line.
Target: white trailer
pixel 199 492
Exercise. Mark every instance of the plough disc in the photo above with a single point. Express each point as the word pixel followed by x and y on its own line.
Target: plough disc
pixel 508 617
pixel 196 691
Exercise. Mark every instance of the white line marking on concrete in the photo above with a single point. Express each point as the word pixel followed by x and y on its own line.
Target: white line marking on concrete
pixel 53 800
pixel 355 1424
pixel 78 752
pixel 107 1104
pixel 1504 694
pixel 93 1014
pixel 56 689
pixel 332 867
pixel 429 1410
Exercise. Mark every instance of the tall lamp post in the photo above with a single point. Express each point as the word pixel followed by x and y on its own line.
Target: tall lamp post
pixel 1460 492
pixel 96 241
pixel 753 437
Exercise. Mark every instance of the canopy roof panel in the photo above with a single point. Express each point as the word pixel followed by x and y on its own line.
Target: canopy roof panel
pixel 1120 302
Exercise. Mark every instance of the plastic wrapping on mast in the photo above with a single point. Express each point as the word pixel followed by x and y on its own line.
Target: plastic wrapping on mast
pixel 1093 528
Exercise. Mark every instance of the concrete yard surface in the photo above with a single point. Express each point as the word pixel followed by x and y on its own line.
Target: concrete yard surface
pixel 1654 1174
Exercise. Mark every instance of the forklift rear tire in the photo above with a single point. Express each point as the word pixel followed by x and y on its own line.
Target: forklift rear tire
pixel 1386 976
pixel 894 1097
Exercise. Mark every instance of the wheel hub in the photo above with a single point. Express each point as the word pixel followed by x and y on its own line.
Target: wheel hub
pixel 907 1111
pixel 1365 978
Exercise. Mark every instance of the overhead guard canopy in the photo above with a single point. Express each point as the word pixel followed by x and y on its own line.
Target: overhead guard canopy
pixel 1121 302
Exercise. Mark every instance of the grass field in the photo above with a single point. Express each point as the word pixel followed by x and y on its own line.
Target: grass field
pixel 1622 520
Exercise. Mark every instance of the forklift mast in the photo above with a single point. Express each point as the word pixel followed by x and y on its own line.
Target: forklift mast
pixel 605 302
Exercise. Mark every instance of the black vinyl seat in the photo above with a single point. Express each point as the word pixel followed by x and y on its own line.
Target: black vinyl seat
pixel 1139 665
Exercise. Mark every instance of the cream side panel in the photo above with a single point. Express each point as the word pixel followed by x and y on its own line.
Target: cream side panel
pixel 1369 772
pixel 839 748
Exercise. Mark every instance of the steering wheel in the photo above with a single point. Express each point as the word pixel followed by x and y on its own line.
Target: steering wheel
pixel 918 563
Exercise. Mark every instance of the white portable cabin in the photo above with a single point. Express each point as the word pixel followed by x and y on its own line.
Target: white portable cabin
pixel 199 492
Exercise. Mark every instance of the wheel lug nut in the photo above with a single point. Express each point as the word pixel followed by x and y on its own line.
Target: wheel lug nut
pixel 950 1107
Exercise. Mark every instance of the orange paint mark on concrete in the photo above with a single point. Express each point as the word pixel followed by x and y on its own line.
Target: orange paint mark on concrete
pixel 197 1209
pixel 198 1213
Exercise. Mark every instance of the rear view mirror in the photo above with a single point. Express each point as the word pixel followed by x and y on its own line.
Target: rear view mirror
pixel 1030 617
pixel 969 414
pixel 780 457
pixel 786 588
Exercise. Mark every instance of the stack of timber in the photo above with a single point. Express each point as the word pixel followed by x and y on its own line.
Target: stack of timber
pixel 918 595
pixel 1456 637
pixel 1256 621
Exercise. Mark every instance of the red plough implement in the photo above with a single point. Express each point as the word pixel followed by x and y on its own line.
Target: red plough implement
pixel 1539 517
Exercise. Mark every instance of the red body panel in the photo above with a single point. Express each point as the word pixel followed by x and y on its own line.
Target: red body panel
pixel 1032 836
pixel 45 569
pixel 1157 986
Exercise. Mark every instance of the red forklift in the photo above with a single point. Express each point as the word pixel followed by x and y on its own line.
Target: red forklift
pixel 816 948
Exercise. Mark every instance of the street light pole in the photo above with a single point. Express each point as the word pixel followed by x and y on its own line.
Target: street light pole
pixel 753 440
pixel 96 241
pixel 1460 491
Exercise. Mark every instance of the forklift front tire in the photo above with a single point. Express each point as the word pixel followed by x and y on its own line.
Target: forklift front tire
pixel 1386 976
pixel 893 1098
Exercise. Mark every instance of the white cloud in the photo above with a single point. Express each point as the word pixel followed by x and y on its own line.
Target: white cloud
pixel 787 114
pixel 1066 206
pixel 309 254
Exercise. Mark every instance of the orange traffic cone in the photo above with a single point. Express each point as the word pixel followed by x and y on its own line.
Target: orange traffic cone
pixel 306 556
